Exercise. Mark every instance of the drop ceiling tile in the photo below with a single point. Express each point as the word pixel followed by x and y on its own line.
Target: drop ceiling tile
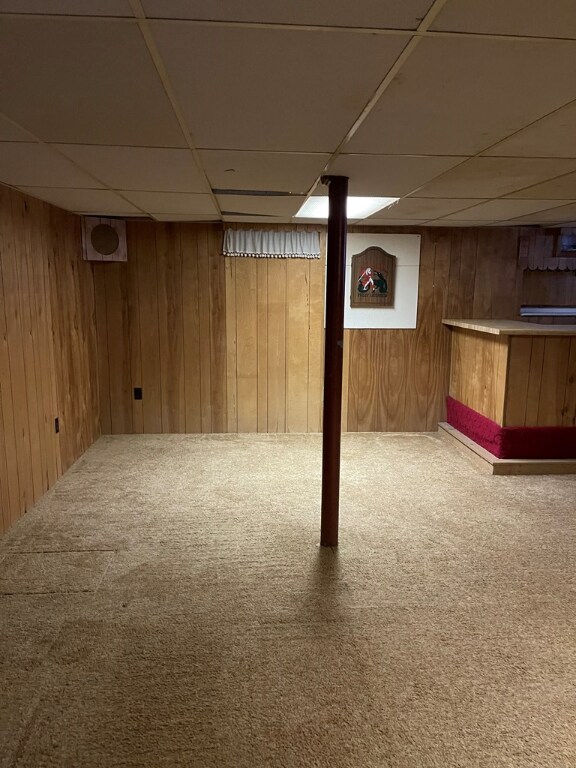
pixel 423 208
pixel 553 136
pixel 562 214
pixel 389 175
pixel 9 131
pixel 457 96
pixel 490 177
pixel 388 222
pixel 272 89
pixel 260 205
pixel 465 223
pixel 172 202
pixel 184 217
pixel 100 201
pixel 140 168
pixel 365 13
pixel 562 188
pixel 502 210
pixel 276 171
pixel 83 82
pixel 68 7
pixel 257 219
pixel 554 18
pixel 36 165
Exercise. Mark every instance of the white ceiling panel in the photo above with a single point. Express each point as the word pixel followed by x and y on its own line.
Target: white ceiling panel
pixel 387 222
pixel 260 205
pixel 99 201
pixel 553 18
pixel 258 219
pixel 68 7
pixel 464 223
pixel 363 13
pixel 184 217
pixel 423 208
pixel 502 210
pixel 488 177
pixel 83 82
pixel 26 164
pixel 276 171
pixel 172 202
pixel 140 168
pixel 389 175
pixel 562 188
pixel 11 132
pixel 278 90
pixel 563 214
pixel 458 96
pixel 553 136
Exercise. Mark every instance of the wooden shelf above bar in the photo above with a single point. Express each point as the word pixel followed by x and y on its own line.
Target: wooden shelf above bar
pixel 512 327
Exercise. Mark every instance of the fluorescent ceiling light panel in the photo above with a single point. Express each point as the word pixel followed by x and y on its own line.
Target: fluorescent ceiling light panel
pixel 356 207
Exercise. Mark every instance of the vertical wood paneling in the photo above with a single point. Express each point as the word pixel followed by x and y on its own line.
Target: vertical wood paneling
pixel 569 415
pixel 218 333
pixel 395 373
pixel 149 328
pixel 262 303
pixel 8 458
pixel 118 346
pixel 316 343
pixel 463 273
pixel 252 332
pixel 191 328
pixel 205 330
pixel 170 325
pixel 48 363
pixel 277 278
pixel 247 344
pixel 534 382
pixel 133 301
pixel 15 342
pixel 518 377
pixel 551 406
pixel 27 299
pixel 231 357
pixel 297 333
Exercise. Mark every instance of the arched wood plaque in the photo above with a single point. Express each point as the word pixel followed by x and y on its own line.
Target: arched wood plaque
pixel 372 278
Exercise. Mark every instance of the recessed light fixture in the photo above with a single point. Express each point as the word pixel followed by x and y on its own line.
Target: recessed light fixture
pixel 356 207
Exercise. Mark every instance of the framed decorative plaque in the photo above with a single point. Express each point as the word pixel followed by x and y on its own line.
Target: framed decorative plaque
pixel 372 278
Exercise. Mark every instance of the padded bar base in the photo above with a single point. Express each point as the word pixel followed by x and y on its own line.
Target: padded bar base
pixel 511 442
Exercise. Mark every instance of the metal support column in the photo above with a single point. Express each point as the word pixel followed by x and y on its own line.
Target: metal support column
pixel 333 356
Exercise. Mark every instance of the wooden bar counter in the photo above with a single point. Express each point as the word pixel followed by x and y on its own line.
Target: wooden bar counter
pixel 518 375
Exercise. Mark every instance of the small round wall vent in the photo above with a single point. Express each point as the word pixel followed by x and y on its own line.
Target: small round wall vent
pixel 104 239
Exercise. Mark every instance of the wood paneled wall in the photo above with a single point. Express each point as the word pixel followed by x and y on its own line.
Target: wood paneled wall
pixel 479 371
pixel 275 325
pixel 47 350
pixel 161 326
pixel 398 379
pixel 217 345
pixel 541 385
pixel 236 344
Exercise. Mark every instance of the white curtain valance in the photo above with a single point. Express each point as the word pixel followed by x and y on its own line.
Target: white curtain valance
pixel 269 244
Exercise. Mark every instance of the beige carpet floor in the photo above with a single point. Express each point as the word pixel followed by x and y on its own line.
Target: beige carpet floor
pixel 166 604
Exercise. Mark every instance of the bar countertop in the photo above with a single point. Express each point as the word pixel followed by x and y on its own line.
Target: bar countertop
pixel 512 327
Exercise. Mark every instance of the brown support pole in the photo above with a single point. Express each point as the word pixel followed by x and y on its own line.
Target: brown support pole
pixel 333 355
